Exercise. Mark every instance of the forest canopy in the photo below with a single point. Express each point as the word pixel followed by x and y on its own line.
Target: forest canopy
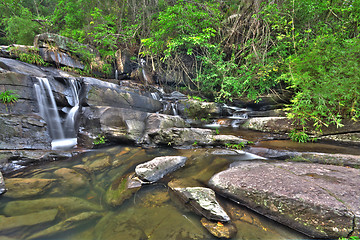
pixel 228 49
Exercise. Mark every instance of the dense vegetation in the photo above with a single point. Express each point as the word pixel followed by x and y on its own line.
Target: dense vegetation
pixel 228 49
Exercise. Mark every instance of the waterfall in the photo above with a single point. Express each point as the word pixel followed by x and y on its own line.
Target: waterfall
pixel 116 74
pixel 48 110
pixel 174 110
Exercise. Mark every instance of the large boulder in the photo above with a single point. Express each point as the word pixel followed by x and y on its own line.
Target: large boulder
pixel 203 202
pixel 99 93
pixel 23 132
pixel 319 200
pixel 116 124
pixel 197 109
pixel 269 124
pixel 157 168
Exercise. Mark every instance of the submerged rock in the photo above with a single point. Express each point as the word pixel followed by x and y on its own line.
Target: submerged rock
pixel 158 167
pixel 319 200
pixel 220 230
pixel 68 224
pixel 30 219
pixel 120 190
pixel 71 180
pixel 203 202
pixel 27 187
pixel 70 205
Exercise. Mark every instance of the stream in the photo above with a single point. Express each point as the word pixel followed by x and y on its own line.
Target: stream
pixel 151 213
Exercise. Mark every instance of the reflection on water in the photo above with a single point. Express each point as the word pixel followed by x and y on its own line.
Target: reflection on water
pixel 76 198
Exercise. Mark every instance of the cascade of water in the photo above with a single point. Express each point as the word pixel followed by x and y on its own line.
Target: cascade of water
pixel 174 110
pixel 69 125
pixel 48 110
pixel 116 74
pixel 155 96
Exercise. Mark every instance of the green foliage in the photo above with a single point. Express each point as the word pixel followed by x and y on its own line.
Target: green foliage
pixel 183 27
pixel 238 146
pixel 100 139
pixel 8 97
pixel 327 82
pixel 299 136
pixel 350 238
pixel 20 28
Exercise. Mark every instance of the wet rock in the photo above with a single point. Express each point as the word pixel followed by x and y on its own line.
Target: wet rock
pixel 2 185
pixel 268 113
pixel 120 190
pixel 203 202
pixel 71 180
pixel 13 160
pixel 68 224
pixel 70 205
pixel 227 152
pixel 157 168
pixel 98 164
pixel 27 187
pixel 269 124
pixel 30 219
pixel 23 132
pixel 318 200
pixel 196 109
pixel 220 230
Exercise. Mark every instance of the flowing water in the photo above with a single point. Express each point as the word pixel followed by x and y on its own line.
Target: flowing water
pixel 151 213
pixel 63 135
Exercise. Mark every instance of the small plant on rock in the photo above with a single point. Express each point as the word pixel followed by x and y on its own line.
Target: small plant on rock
pixel 8 97
pixel 100 139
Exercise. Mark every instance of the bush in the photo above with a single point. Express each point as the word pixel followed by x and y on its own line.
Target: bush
pixel 326 79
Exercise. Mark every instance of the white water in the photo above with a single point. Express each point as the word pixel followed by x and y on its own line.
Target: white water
pixel 48 110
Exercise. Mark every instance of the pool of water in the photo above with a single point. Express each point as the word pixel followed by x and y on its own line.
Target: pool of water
pixel 151 213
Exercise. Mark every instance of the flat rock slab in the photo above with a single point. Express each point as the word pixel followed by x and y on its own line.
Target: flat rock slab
pixel 158 167
pixel 321 201
pixel 203 202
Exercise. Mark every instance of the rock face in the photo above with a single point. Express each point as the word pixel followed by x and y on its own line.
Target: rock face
pixel 158 167
pixel 319 200
pixel 23 132
pixel 203 202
